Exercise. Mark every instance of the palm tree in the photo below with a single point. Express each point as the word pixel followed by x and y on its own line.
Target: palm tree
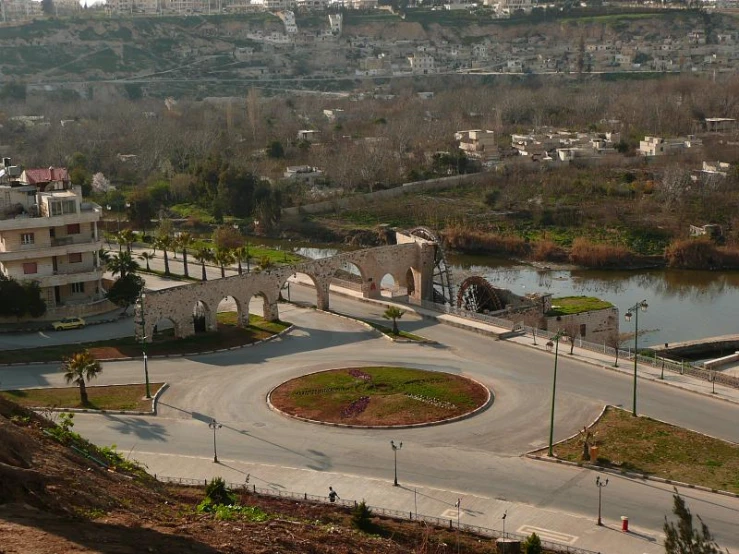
pixel 224 257
pixel 148 256
pixel 203 255
pixel 394 313
pixel 242 255
pixel 127 237
pixel 103 257
pixel 81 367
pixel 163 242
pixel 122 263
pixel 185 241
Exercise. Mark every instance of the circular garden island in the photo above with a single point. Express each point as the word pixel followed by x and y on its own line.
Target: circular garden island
pixel 379 396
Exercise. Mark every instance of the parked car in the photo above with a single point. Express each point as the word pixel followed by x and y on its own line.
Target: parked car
pixel 68 323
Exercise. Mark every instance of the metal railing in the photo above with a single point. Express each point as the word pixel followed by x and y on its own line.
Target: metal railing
pixel 378 511
pixel 683 368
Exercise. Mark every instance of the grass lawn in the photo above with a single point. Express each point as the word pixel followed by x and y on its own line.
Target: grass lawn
pixel 117 397
pixel 643 445
pixel 379 396
pixel 389 332
pixel 227 336
pixel 568 305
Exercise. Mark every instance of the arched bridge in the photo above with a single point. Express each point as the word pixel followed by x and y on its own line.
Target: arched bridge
pixel 411 263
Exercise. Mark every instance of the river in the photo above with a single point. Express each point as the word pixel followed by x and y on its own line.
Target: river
pixel 683 305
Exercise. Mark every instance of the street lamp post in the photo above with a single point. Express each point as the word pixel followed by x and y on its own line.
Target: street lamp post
pixel 215 426
pixel 142 299
pixel 601 485
pixel 634 310
pixel 554 391
pixel 395 448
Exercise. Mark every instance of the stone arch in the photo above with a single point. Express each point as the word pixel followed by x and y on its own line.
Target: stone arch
pixel 161 327
pixel 254 307
pixel 396 287
pixel 349 274
pixel 230 305
pixel 203 318
pixel 410 281
pixel 299 276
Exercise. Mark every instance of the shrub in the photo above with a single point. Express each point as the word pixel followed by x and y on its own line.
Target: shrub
pixel 362 517
pixel 547 250
pixel 469 240
pixel 590 254
pixel 692 254
pixel 218 493
pixel 532 545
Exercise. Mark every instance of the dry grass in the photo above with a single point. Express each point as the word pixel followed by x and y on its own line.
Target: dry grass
pixel 548 251
pixel 701 253
pixel 589 254
pixel 116 397
pixel 474 241
pixel 643 445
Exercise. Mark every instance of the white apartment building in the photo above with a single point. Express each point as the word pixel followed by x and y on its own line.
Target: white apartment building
pixel 422 63
pixel 19 10
pixel 49 235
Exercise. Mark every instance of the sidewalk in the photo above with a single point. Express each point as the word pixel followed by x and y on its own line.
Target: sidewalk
pixel 564 529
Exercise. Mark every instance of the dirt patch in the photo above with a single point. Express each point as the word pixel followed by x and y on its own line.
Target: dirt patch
pixel 379 396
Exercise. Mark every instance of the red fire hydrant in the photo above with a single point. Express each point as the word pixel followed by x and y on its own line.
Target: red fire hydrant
pixel 624 524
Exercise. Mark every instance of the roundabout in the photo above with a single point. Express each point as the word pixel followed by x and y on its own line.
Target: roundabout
pixel 379 396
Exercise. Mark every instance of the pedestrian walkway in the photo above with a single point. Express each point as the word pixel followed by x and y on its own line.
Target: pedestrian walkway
pixel 567 530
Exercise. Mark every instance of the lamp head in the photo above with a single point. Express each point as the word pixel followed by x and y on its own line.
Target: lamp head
pixel 627 315
pixel 643 305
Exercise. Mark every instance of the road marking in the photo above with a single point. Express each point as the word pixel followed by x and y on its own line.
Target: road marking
pixel 547 534
pixel 451 513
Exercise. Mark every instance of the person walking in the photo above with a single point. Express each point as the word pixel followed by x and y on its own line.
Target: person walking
pixel 332 494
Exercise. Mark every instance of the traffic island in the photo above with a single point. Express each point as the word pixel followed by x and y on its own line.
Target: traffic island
pixel 380 397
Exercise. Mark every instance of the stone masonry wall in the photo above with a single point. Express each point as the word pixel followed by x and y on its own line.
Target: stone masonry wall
pixel 410 264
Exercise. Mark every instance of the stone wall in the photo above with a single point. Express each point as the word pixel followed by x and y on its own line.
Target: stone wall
pixel 601 326
pixel 410 264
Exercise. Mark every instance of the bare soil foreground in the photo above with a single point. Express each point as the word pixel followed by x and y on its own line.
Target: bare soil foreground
pixel 379 396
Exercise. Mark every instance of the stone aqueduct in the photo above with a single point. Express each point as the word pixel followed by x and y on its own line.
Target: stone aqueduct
pixel 410 262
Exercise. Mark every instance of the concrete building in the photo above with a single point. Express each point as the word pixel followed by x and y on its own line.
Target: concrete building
pixel 422 64
pixel 477 143
pixel 49 235
pixel 658 146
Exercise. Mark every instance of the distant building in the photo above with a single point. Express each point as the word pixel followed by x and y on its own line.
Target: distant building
pixel 658 146
pixel 303 174
pixel 720 124
pixel 310 136
pixel 477 143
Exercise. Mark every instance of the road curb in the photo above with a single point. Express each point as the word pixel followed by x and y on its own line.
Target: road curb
pixel 623 473
pixel 488 402
pixel 160 356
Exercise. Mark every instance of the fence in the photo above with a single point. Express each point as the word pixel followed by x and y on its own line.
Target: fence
pixel 683 368
pixel 378 511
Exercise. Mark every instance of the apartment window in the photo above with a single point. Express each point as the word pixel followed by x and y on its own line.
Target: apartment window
pixel 27 238
pixel 73 229
pixel 75 258
pixel 63 207
pixel 30 267
pixel 78 288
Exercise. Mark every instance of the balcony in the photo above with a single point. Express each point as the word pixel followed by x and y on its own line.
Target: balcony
pixel 88 213
pixel 66 278
pixel 58 247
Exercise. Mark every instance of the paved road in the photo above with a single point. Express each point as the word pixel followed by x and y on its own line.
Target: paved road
pixel 479 456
